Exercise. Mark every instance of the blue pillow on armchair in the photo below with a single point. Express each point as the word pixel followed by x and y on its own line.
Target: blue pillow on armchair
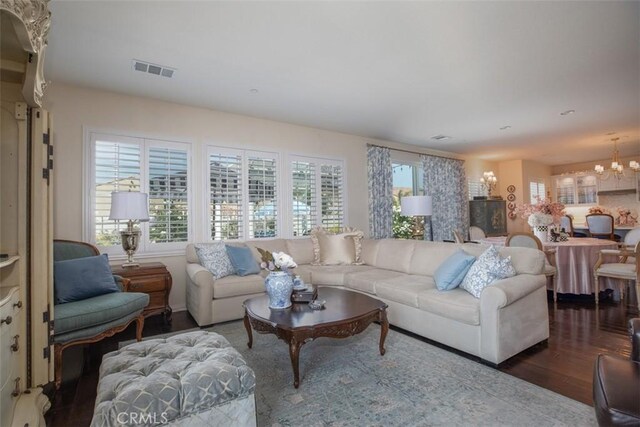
pixel 81 278
pixel 242 260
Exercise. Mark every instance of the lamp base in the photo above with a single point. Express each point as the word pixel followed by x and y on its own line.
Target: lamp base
pixel 417 230
pixel 130 240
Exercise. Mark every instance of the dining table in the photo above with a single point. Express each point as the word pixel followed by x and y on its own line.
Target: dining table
pixel 574 260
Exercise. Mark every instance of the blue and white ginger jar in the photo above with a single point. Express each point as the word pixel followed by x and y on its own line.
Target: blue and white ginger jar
pixel 279 286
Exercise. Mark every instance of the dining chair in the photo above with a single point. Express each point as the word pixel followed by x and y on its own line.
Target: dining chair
pixel 627 271
pixel 476 233
pixel 566 222
pixel 457 236
pixel 528 240
pixel 601 226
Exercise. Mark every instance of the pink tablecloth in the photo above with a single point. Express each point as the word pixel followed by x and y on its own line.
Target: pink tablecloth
pixel 574 261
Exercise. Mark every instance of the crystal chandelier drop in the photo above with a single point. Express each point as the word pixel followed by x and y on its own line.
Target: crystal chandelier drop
pixel 617 169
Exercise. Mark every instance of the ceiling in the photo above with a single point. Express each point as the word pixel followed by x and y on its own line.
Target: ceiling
pixel 399 71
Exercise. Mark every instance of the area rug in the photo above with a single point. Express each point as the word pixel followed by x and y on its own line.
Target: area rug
pixel 347 383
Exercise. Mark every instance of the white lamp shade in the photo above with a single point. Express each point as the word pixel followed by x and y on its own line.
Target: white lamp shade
pixel 416 206
pixel 129 205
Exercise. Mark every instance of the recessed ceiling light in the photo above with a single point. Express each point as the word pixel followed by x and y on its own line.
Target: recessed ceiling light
pixel 505 127
pixel 566 113
pixel 253 90
pixel 440 137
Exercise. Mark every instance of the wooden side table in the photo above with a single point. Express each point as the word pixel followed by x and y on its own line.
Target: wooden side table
pixel 154 279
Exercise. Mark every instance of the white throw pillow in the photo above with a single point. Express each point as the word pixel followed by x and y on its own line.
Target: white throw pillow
pixel 488 268
pixel 337 249
pixel 213 257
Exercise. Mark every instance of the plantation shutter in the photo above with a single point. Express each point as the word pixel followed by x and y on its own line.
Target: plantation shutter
pixel 332 197
pixel 225 202
pixel 117 168
pixel 304 207
pixel 168 195
pixel 262 196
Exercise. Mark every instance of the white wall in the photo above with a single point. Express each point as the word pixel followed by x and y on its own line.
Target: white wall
pixel 74 109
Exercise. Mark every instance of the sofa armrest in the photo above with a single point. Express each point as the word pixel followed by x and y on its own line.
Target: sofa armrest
pixel 507 291
pixel 634 330
pixel 199 293
pixel 122 282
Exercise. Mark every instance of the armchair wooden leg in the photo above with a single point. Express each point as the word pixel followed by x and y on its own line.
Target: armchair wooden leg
pixel 57 365
pixel 139 327
pixel 597 288
pixel 554 281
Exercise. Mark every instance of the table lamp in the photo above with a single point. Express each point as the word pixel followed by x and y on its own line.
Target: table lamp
pixel 129 206
pixel 418 207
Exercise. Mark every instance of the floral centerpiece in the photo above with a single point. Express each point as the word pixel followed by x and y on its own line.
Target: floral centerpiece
pixel 541 215
pixel 599 210
pixel 279 283
pixel 626 217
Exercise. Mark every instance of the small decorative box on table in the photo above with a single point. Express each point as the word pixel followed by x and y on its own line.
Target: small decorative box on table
pixel 154 279
pixel 305 295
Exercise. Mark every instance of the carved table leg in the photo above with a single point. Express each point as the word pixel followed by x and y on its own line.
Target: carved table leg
pixel 247 326
pixel 384 323
pixel 294 353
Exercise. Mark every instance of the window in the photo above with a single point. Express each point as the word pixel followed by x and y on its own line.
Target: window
pixel 159 168
pixel 408 180
pixel 476 189
pixel 243 202
pixel 316 183
pixel 537 191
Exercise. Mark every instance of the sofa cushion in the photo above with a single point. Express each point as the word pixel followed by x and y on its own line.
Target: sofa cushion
pixel 394 254
pixel 369 251
pixel 428 256
pixel 453 270
pixel 333 275
pixel 404 289
pixel 271 245
pixel 336 249
pixel 213 257
pixel 301 250
pixel 456 304
pixel 98 310
pixel 232 286
pixel 81 278
pixel 489 267
pixel 366 281
pixel 242 260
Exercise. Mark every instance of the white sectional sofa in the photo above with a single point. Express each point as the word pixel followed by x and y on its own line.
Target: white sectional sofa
pixel 509 317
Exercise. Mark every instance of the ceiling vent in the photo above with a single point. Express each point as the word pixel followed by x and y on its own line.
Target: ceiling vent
pixel 440 137
pixel 155 69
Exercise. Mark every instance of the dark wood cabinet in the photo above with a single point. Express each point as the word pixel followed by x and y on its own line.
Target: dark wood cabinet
pixel 154 279
pixel 490 215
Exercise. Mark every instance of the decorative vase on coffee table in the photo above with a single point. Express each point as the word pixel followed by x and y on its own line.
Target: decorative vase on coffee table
pixel 279 286
pixel 541 232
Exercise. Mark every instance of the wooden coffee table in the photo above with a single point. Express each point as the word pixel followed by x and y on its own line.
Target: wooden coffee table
pixel 346 313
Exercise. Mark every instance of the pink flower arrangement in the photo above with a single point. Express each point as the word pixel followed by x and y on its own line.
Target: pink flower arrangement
pixel 599 210
pixel 544 206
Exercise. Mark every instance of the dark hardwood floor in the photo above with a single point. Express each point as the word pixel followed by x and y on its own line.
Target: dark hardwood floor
pixel 579 331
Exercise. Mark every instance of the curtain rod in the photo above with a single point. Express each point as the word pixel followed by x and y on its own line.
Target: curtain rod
pixel 412 152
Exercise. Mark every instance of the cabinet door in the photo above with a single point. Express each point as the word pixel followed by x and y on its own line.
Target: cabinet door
pixel 566 190
pixel 587 189
pixel 42 247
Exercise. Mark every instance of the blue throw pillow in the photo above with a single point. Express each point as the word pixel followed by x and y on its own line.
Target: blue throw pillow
pixel 81 278
pixel 453 270
pixel 242 260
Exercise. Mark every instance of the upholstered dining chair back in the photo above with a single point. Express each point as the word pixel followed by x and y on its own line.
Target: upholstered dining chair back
pixel 601 226
pixel 476 233
pixel 567 223
pixel 632 237
pixel 523 240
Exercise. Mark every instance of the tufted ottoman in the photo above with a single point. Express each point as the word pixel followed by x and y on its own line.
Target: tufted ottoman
pixel 191 379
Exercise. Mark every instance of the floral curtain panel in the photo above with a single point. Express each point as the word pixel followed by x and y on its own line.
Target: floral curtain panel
pixel 380 192
pixel 445 181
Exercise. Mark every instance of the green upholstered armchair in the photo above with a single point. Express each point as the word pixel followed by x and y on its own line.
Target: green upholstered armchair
pixel 92 319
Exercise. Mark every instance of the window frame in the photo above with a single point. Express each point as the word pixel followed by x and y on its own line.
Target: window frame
pixel 145 142
pixel 244 194
pixel 319 162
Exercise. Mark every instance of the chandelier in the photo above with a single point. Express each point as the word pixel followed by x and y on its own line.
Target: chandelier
pixel 617 169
